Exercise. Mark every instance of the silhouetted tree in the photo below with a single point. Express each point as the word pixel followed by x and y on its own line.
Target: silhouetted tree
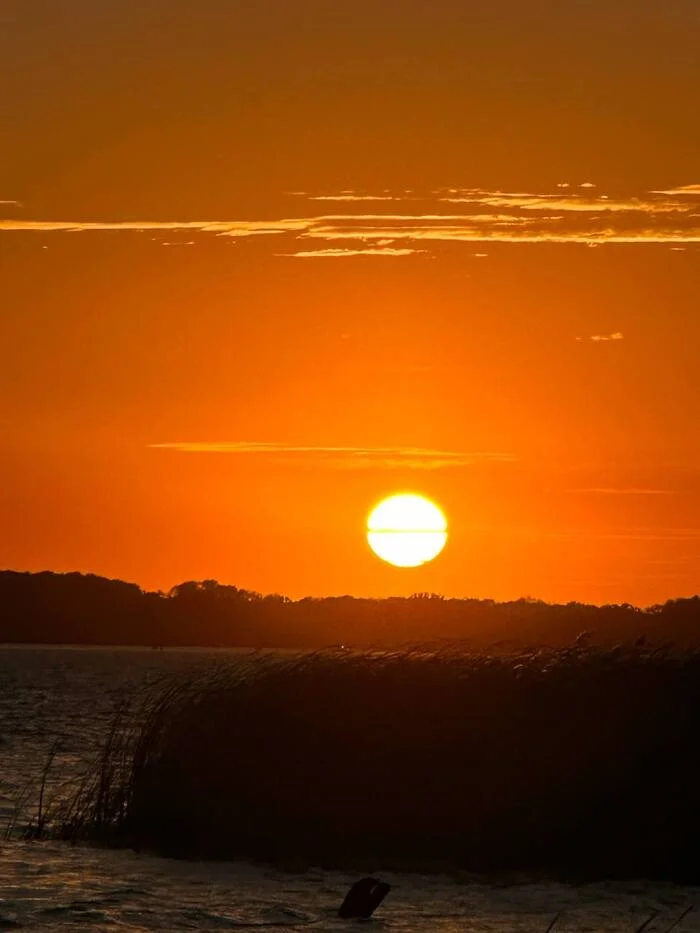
pixel 88 609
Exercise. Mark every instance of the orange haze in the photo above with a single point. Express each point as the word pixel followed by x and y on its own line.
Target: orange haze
pixel 263 264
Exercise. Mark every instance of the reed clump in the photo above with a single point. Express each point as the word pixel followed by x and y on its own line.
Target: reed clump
pixel 580 762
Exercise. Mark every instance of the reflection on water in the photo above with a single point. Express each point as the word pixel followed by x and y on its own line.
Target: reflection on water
pixel 69 695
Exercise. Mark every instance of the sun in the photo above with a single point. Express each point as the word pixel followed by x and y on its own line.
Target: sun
pixel 406 530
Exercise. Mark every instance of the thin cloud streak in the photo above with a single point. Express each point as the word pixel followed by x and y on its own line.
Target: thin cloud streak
pixel 342 457
pixel 571 201
pixel 341 253
pixel 488 216
pixel 575 203
pixel 682 190
pixel 502 233
pixel 355 197
pixel 620 491
pixel 233 228
pixel 433 227
pixel 692 534
pixel 602 338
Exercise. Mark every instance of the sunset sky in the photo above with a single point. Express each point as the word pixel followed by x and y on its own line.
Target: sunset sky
pixel 263 263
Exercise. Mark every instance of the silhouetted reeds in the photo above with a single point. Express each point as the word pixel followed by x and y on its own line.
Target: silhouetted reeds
pixel 577 762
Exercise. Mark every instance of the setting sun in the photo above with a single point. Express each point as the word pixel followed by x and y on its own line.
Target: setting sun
pixel 406 530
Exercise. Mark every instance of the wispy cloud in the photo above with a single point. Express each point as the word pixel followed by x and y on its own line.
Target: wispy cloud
pixel 682 190
pixel 350 194
pixel 621 491
pixel 632 534
pixel 501 230
pixel 602 338
pixel 354 197
pixel 475 216
pixel 232 228
pixel 574 202
pixel 340 253
pixel 462 229
pixel 342 457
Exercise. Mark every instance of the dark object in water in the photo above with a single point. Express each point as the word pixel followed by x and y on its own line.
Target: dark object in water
pixel 363 898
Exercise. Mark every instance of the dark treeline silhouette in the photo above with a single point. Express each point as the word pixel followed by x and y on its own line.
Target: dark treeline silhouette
pixel 75 608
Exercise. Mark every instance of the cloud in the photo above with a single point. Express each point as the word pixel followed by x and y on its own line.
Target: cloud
pixel 621 491
pixel 350 195
pixel 682 190
pixel 9 202
pixel 478 228
pixel 569 202
pixel 342 457
pixel 339 253
pixel 484 216
pixel 588 200
pixel 354 197
pixel 233 228
pixel 633 534
pixel 602 338
pixel 502 230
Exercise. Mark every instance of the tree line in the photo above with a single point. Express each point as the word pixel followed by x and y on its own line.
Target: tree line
pixel 77 608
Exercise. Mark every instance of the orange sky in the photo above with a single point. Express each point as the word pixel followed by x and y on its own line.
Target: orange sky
pixel 262 264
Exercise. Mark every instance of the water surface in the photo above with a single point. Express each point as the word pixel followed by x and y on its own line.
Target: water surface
pixel 67 697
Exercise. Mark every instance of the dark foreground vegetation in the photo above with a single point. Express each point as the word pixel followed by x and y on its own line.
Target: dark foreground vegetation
pixel 74 608
pixel 579 763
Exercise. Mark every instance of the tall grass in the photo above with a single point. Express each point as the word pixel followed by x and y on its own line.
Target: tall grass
pixel 576 762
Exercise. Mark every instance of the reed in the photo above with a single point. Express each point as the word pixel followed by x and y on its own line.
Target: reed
pixel 575 762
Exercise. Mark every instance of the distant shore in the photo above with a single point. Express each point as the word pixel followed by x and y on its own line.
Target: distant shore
pixel 88 610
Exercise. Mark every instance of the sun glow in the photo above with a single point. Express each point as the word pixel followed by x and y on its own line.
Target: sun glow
pixel 406 530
